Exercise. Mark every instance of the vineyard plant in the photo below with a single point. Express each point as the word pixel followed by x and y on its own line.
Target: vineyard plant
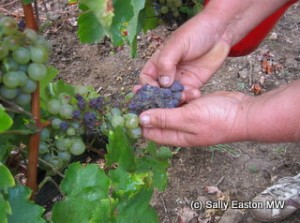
pixel 46 125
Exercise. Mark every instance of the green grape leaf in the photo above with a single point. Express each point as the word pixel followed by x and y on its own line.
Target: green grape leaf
pixel 135 24
pixel 4 209
pixel 5 120
pixel 119 150
pixel 104 211
pixel 85 188
pixel 90 30
pixel 136 208
pixel 6 179
pixel 123 13
pixel 157 161
pixel 51 74
pixel 128 184
pixel 102 10
pixel 94 178
pixel 23 210
pixel 151 18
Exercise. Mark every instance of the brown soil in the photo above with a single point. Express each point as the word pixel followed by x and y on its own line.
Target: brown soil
pixel 239 170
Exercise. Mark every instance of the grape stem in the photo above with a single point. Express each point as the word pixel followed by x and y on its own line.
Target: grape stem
pixel 34 139
pixel 14 107
pixel 49 179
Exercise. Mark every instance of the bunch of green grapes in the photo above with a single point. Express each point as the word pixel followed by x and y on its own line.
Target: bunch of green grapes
pixel 129 121
pixel 170 7
pixel 23 58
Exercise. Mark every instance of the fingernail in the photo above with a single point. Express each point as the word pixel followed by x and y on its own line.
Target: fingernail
pixel 145 120
pixel 164 80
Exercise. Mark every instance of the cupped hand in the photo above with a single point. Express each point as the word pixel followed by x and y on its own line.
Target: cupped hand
pixel 191 55
pixel 209 120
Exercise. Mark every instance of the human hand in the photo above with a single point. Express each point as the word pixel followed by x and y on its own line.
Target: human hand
pixel 209 120
pixel 187 56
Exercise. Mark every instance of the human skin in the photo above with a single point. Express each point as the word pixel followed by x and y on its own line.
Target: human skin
pixel 192 54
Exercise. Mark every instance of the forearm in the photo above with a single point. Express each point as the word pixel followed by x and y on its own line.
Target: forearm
pixel 271 117
pixel 233 19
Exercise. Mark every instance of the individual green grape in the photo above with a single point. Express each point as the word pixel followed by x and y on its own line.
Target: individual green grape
pixel 45 134
pixel 115 111
pixel 104 128
pixel 43 148
pixel 37 71
pixel 3 50
pixel 55 123
pixel 131 121
pixel 71 131
pixel 8 25
pixel 82 90
pixel 117 120
pixel 39 54
pixel 30 35
pixel 11 79
pixel 54 106
pixel 21 55
pixel 170 3
pixel 23 99
pixel 64 98
pixel 78 147
pixel 23 68
pixel 66 111
pixel 164 9
pixel 56 162
pixel 13 42
pixel 176 14
pixel 134 133
pixel 60 145
pixel 162 2
pixel 8 93
pixel 9 64
pixel 29 87
pixel 65 156
pixel 23 78
pixel 41 41
pixel 79 129
pixel 67 142
pixel 164 153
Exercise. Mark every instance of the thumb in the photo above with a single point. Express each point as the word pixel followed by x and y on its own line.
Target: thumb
pixel 173 119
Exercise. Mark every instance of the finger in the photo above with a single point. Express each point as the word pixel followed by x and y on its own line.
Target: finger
pixel 174 119
pixel 149 73
pixel 168 137
pixel 190 95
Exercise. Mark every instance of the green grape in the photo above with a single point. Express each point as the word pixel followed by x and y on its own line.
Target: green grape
pixel 78 128
pixel 13 42
pixel 43 148
pixel 3 50
pixel 55 123
pixel 56 162
pixel 39 54
pixel 30 35
pixel 29 87
pixel 77 147
pixel 164 153
pixel 134 133
pixel 71 131
pixel 45 134
pixel 117 120
pixel 131 121
pixel 8 25
pixel 104 128
pixel 23 78
pixel 178 3
pixel 164 9
pixel 60 144
pixel 37 71
pixel 67 142
pixel 11 79
pixel 128 97
pixel 23 67
pixel 21 55
pixel 170 3
pixel 23 99
pixel 65 156
pixel 9 64
pixel 8 93
pixel 82 90
pixel 41 41
pixel 115 111
pixel 162 2
pixel 64 98
pixel 54 106
pixel 66 111
pixel 176 14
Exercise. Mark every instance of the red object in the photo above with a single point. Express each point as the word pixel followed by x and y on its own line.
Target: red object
pixel 250 42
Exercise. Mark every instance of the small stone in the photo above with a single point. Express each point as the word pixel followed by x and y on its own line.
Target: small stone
pixel 273 36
